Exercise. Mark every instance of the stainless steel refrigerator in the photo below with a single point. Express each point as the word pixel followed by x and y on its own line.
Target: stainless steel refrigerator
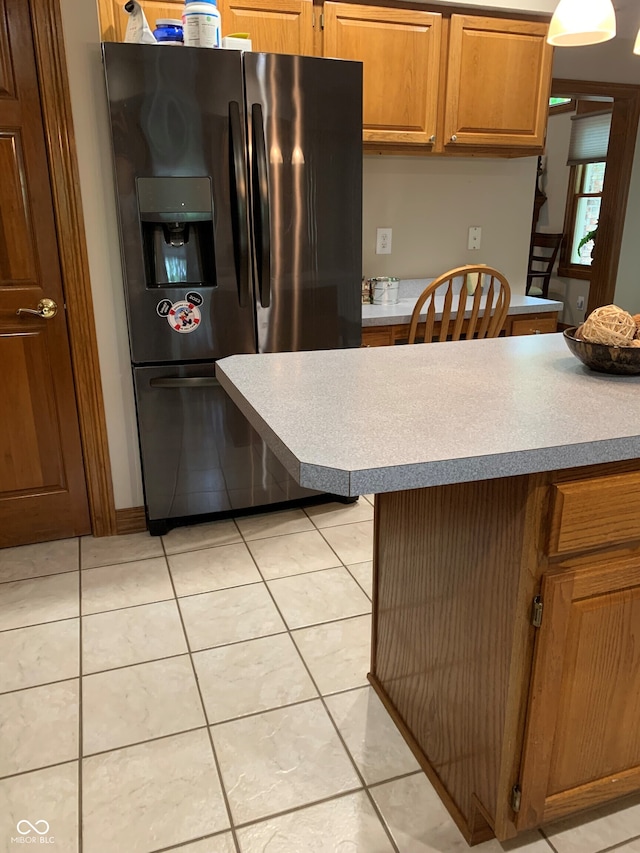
pixel 239 185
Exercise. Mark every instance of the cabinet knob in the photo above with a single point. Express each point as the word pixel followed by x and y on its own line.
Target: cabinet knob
pixel 432 138
pixel 454 138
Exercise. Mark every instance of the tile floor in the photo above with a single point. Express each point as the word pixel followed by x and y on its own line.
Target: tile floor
pixel 206 693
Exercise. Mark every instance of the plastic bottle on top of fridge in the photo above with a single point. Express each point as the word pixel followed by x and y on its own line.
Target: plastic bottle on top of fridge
pixel 201 23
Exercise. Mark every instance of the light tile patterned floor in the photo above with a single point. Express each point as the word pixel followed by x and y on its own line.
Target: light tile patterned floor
pixel 207 693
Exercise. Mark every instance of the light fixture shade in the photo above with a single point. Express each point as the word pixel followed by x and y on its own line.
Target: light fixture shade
pixel 581 22
pixel 636 47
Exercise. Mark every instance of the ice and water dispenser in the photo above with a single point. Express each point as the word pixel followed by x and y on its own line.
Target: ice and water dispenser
pixel 176 217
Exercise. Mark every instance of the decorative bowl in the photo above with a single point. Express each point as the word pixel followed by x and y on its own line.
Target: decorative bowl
pixel 603 358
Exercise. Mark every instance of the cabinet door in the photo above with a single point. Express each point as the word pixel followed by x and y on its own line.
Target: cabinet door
pixel 582 740
pixel 400 52
pixel 274 26
pixel 498 83
pixel 113 18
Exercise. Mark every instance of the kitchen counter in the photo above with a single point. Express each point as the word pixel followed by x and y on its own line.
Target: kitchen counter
pixel 376 420
pixel 506 563
pixel 387 315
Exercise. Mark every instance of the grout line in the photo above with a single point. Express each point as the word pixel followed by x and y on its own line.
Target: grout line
pixel 38 577
pixel 191 841
pixel 547 839
pixel 80 714
pixel 121 563
pixel 216 761
pixel 619 844
pixel 302 807
pixel 141 742
pixel 356 579
pixel 38 769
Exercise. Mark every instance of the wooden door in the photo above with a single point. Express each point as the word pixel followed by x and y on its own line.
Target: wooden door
pixel 498 83
pixel 274 26
pixel 400 52
pixel 42 486
pixel 582 741
pixel 113 18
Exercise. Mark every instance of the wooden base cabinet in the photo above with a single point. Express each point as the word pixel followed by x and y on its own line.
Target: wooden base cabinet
pixel 515 325
pixel 508 650
pixel 582 743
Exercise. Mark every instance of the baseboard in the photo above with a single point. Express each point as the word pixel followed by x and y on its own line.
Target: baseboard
pixel 131 520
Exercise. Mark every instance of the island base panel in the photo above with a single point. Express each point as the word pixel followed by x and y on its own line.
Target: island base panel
pixel 454 577
pixel 475 827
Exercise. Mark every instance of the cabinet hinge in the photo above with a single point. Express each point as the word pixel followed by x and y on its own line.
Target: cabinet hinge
pixel 536 612
pixel 321 20
pixel 516 798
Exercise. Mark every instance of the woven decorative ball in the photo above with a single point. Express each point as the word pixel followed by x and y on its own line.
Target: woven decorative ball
pixel 609 325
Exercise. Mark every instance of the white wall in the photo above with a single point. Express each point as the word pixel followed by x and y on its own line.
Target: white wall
pixel 88 100
pixel 430 202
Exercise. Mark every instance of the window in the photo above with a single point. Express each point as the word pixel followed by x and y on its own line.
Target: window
pixel 589 181
pixel 587 159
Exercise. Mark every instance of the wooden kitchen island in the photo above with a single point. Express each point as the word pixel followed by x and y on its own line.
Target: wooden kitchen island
pixel 506 608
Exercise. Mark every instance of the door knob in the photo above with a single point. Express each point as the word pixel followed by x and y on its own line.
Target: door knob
pixel 46 309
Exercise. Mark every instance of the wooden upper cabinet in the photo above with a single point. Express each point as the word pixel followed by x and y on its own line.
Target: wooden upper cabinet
pixel 113 18
pixel 582 742
pixel 274 26
pixel 400 52
pixel 498 83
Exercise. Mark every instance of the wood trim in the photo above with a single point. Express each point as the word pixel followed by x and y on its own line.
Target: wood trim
pixel 131 520
pixel 592 794
pixel 65 184
pixel 622 143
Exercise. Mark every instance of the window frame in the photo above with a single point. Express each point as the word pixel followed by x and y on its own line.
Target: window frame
pixel 567 269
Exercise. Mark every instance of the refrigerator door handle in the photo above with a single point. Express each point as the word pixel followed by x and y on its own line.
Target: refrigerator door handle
pixel 261 202
pixel 184 382
pixel 239 212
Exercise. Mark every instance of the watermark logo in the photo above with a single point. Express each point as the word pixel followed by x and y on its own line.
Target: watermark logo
pixel 33 833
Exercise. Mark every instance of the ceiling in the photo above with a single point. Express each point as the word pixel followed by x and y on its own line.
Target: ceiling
pixel 627 17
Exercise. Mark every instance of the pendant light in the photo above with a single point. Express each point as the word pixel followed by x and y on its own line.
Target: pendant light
pixel 581 22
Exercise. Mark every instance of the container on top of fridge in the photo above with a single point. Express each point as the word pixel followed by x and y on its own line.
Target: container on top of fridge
pixel 201 23
pixel 168 31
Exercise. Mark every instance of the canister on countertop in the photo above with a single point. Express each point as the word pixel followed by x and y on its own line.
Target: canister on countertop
pixel 366 291
pixel 384 290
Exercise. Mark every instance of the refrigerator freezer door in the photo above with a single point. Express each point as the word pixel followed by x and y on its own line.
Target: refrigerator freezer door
pixel 178 130
pixel 199 453
pixel 304 119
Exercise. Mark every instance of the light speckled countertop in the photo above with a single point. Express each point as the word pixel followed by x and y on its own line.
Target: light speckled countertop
pixel 381 419
pixel 389 315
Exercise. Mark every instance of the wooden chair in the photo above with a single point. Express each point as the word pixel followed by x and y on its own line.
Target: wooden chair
pixel 486 308
pixel 543 252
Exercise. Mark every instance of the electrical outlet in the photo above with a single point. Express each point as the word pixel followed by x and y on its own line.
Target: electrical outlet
pixel 475 237
pixel 383 241
pixel 580 303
